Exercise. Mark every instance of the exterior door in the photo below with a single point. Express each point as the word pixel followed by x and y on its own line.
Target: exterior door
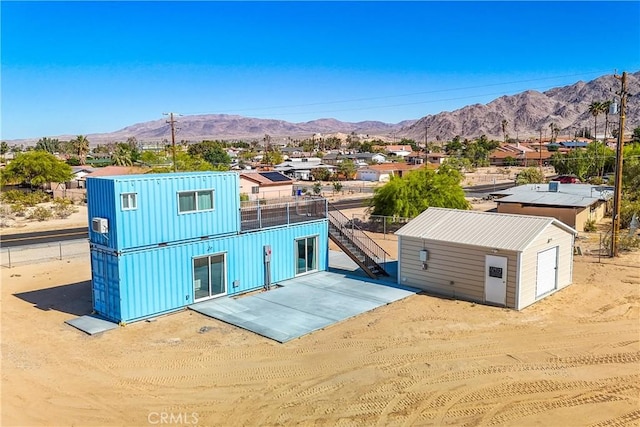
pixel 209 277
pixel 495 279
pixel 306 255
pixel 547 271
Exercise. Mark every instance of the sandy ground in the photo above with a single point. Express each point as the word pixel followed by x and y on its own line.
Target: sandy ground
pixel 572 359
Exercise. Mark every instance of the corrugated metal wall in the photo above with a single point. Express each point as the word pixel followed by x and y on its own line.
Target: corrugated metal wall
pixel 160 279
pixel 156 218
pixel 106 284
pixel 101 203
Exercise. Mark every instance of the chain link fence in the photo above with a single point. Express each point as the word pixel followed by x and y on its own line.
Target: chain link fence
pixel 44 252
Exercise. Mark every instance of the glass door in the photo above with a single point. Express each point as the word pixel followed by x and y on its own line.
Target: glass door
pixel 209 277
pixel 306 257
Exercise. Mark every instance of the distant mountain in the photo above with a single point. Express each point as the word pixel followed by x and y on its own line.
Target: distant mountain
pixel 526 113
pixel 530 111
pixel 226 127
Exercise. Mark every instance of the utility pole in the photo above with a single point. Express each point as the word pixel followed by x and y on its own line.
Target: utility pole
pixel 426 136
pixel 617 198
pixel 540 150
pixel 172 122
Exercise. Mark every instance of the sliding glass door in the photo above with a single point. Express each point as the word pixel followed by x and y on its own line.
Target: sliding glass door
pixel 209 276
pixel 306 255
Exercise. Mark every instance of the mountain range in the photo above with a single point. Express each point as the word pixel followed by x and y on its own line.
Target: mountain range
pixel 526 114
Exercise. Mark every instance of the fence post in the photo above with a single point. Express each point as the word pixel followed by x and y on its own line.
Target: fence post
pixel 9 253
pixel 384 228
pixel 600 248
pixel 60 246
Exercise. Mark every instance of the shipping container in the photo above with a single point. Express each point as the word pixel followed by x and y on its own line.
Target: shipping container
pixel 153 260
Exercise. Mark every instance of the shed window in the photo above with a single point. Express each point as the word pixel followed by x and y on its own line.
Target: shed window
pixel 194 201
pixel 129 201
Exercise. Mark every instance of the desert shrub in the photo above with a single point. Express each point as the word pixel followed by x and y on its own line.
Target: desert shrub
pixel 18 209
pixel 627 209
pixel 11 196
pixel 590 225
pixel 26 199
pixel 317 188
pixel 62 208
pixel 40 213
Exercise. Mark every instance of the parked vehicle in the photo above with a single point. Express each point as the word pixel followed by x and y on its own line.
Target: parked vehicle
pixel 567 179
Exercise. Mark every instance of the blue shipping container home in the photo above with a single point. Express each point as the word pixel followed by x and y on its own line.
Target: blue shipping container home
pixel 160 242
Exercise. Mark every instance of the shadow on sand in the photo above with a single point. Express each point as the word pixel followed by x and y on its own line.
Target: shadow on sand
pixel 74 298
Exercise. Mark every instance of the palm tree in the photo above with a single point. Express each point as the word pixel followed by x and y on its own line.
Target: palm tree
pixel 81 147
pixel 595 108
pixel 505 122
pixel 122 156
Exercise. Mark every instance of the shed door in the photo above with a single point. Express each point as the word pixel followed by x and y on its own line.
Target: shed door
pixel 547 271
pixel 495 279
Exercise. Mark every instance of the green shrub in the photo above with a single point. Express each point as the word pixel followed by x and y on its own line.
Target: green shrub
pixel 590 225
pixel 40 214
pixel 62 208
pixel 26 199
pixel 11 196
pixel 18 209
pixel 244 197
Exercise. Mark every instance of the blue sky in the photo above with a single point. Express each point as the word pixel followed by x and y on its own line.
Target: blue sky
pixel 88 67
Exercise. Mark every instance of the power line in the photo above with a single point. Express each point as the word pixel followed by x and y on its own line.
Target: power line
pixel 344 101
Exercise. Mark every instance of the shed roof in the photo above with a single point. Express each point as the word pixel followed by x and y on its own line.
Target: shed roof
pixel 601 192
pixel 550 199
pixel 486 229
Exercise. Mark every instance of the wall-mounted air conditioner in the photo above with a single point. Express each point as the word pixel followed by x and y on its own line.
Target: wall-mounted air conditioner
pixel 100 225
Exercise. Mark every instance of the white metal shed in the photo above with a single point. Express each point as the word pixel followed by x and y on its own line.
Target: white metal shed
pixel 499 259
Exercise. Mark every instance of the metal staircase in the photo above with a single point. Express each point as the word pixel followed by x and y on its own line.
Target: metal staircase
pixel 356 244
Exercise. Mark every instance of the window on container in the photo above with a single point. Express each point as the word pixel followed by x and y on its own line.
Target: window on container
pixel 129 201
pixel 194 201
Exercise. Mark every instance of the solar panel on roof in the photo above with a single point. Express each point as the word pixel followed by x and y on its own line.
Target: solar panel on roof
pixel 275 176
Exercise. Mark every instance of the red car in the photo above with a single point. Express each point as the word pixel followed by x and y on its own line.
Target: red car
pixel 567 179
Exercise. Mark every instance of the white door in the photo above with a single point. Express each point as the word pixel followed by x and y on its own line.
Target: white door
pixel 547 271
pixel 495 279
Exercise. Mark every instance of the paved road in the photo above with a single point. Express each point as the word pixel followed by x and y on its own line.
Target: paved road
pixel 24 239
pixel 37 237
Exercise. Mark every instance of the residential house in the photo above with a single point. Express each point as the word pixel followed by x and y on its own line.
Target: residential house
pixel 265 185
pixel 573 204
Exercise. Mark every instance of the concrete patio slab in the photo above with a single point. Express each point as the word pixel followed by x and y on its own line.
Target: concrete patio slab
pixel 91 324
pixel 303 304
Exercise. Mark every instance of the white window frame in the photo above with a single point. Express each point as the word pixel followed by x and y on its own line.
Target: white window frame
pixel 195 195
pixel 132 201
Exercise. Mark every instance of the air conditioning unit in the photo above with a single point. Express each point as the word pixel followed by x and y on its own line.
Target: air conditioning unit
pixel 100 225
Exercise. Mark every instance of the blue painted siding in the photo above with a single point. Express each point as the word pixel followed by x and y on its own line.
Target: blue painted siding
pixel 106 284
pixel 160 279
pixel 156 219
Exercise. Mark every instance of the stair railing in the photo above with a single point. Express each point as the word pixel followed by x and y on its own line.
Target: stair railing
pixel 348 228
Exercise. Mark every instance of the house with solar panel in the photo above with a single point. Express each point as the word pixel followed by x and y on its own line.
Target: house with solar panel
pixel 160 242
pixel 265 185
